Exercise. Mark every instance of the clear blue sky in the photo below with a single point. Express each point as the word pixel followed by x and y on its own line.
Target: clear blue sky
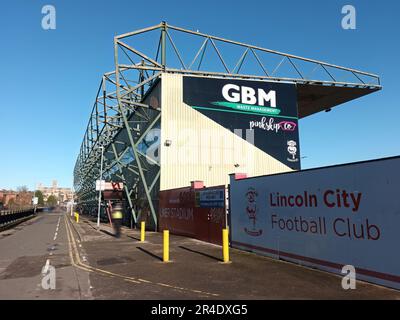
pixel 49 78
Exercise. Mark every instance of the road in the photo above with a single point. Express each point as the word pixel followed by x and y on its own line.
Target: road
pixel 93 264
pixel 25 251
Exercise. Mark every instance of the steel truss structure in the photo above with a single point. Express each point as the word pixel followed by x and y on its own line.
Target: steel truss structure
pixel 121 117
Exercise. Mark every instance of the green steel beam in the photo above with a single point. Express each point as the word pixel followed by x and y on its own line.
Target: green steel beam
pixel 131 140
pixel 125 183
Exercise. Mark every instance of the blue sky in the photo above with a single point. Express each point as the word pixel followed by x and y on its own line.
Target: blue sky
pixel 49 78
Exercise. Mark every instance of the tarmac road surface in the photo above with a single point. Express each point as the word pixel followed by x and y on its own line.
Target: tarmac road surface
pixel 25 251
pixel 93 264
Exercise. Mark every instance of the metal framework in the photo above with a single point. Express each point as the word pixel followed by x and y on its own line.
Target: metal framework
pixel 120 119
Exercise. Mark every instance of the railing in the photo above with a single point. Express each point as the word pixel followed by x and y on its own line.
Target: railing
pixel 9 218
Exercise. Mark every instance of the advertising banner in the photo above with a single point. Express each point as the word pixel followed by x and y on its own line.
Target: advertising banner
pixel 326 218
pixel 268 108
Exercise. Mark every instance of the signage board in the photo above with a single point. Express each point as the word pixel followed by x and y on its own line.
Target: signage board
pixel 210 198
pixel 268 108
pixel 100 185
pixel 325 218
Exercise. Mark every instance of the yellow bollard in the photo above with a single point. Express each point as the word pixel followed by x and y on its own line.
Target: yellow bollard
pixel 166 246
pixel 225 245
pixel 77 218
pixel 142 231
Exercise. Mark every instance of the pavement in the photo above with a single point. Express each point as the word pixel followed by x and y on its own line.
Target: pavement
pixel 93 264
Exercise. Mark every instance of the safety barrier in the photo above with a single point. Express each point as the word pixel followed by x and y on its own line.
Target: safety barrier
pixel 166 246
pixel 142 231
pixel 225 245
pixel 166 241
pixel 11 217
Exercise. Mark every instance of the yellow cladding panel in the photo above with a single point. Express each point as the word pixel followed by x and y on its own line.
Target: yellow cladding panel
pixel 198 148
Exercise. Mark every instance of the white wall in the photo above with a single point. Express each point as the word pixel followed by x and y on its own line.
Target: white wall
pixel 372 204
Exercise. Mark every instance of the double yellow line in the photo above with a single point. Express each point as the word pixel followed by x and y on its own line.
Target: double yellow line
pixel 76 262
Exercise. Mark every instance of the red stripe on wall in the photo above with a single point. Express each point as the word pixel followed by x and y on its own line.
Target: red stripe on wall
pixel 370 273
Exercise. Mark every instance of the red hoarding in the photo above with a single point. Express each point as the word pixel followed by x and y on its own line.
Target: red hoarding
pixel 194 213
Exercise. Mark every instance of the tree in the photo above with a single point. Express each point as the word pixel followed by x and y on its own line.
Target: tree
pixel 22 189
pixel 52 201
pixel 11 204
pixel 39 195
pixel 23 197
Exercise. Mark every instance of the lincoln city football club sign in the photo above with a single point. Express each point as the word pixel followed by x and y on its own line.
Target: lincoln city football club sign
pixel 325 217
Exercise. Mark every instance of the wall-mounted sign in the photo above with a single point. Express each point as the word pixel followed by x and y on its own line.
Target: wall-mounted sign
pixel 102 185
pixel 268 108
pixel 210 198
pixel 325 218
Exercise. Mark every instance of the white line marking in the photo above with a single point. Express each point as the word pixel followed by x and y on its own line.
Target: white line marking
pixel 58 226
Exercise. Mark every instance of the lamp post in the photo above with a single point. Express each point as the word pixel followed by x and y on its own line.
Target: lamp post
pixel 101 177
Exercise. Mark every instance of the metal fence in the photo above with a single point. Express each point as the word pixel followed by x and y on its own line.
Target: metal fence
pixel 9 218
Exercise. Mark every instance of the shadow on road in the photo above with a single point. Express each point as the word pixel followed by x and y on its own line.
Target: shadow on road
pixel 201 253
pixel 108 233
pixel 133 238
pixel 150 253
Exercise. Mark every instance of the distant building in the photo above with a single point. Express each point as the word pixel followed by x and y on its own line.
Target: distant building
pixel 6 196
pixel 62 194
pixel 10 199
